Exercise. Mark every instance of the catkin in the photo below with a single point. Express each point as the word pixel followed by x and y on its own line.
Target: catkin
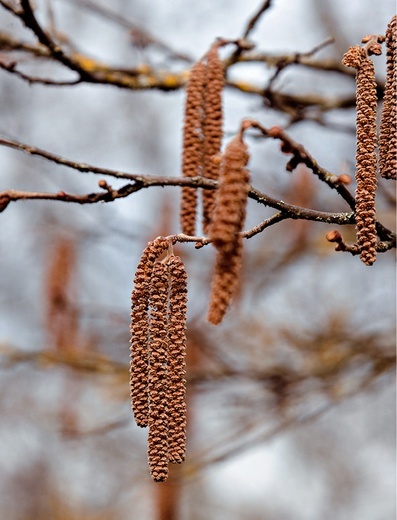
pixel 225 281
pixel 366 160
pixel 176 360
pixel 388 125
pixel 192 145
pixel 231 196
pixel 158 375
pixel 212 126
pixel 140 330
pixel 158 348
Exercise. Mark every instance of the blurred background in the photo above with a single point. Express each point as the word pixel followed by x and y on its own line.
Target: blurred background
pixel 292 399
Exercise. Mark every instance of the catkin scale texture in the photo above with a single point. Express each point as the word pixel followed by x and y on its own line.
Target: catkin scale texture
pixel 192 157
pixel 225 281
pixel 231 196
pixel 176 359
pixel 366 160
pixel 388 125
pixel 158 375
pixel 140 330
pixel 227 224
pixel 212 127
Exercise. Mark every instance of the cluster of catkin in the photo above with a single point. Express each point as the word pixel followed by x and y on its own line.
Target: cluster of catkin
pixel 158 347
pixel 358 58
pixel 202 135
pixel 224 208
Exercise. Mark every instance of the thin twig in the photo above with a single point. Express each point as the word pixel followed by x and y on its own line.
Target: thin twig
pixel 301 155
pixel 255 18
pixel 288 211
pixel 11 67
pixel 122 21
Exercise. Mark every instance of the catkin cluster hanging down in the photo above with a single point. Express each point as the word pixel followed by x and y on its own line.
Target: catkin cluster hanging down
pixel 158 347
pixel 388 125
pixel 366 160
pixel 226 226
pixel 202 135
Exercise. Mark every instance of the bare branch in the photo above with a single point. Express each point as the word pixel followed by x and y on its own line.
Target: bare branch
pixel 301 155
pixel 255 18
pixel 8 43
pixel 11 67
pixel 30 21
pixel 287 211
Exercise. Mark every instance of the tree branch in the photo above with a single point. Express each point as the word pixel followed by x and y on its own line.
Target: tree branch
pixel 286 211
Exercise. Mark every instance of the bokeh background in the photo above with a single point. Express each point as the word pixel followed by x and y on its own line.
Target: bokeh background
pixel 292 399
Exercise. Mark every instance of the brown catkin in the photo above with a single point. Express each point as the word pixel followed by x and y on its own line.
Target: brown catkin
pixel 192 145
pixel 225 281
pixel 366 160
pixel 176 359
pixel 388 124
pixel 140 330
pixel 231 196
pixel 158 374
pixel 212 127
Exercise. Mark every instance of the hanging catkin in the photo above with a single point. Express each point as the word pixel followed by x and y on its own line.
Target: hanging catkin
pixel 176 360
pixel 225 281
pixel 192 145
pixel 227 224
pixel 366 160
pixel 231 196
pixel 388 125
pixel 212 127
pixel 158 375
pixel 140 330
pixel 158 347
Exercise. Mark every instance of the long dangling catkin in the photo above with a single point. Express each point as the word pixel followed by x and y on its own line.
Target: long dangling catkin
pixel 176 360
pixel 158 374
pixel 212 127
pixel 388 125
pixel 231 196
pixel 140 330
pixel 366 160
pixel 192 145
pixel 225 281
